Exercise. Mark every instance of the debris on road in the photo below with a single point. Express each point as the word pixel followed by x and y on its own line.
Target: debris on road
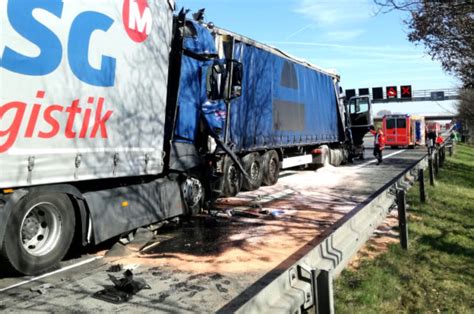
pixel 132 243
pixel 115 268
pixel 42 289
pixel 123 290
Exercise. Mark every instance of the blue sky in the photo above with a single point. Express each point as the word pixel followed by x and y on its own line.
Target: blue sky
pixel 366 49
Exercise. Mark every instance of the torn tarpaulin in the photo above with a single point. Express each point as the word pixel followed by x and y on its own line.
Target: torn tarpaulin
pixel 123 290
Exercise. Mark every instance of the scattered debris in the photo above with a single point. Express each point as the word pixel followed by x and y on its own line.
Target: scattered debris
pixel 123 290
pixel 118 250
pixel 223 214
pixel 132 243
pixel 276 213
pixel 255 210
pixel 141 238
pixel 246 213
pixel 256 205
pixel 43 289
pixel 115 268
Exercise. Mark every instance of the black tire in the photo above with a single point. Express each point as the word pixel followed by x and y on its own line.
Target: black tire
pixel 253 165
pixel 232 178
pixel 271 168
pixel 47 222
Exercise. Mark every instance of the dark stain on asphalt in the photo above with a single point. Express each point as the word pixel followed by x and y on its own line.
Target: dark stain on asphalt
pixel 221 288
pixel 204 236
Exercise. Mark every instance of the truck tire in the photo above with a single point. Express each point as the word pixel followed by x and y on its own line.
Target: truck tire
pixel 232 178
pixel 253 165
pixel 39 232
pixel 271 168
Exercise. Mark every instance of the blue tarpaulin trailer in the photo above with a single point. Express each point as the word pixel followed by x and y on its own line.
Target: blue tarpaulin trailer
pixel 284 103
pixel 287 112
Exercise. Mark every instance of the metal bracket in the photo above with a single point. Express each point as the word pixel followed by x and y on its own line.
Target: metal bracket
pixel 77 164
pixel 147 161
pixel 31 166
pixel 116 162
pixel 316 286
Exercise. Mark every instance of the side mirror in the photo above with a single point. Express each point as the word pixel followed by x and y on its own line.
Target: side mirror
pixel 215 81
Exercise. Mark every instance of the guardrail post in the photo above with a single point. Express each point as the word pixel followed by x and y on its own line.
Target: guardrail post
pixel 325 293
pixel 430 168
pixel 421 180
pixel 442 155
pixel 436 162
pixel 402 218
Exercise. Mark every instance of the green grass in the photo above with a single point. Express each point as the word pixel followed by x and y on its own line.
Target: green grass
pixel 436 274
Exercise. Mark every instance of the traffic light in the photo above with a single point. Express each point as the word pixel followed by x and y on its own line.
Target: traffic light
pixel 391 92
pixel 377 93
pixel 350 93
pixel 405 91
pixel 363 91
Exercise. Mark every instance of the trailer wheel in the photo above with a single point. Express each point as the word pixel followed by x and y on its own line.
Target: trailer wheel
pixel 39 233
pixel 232 178
pixel 193 193
pixel 253 164
pixel 271 168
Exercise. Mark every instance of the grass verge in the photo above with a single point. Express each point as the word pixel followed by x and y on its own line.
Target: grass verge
pixel 436 274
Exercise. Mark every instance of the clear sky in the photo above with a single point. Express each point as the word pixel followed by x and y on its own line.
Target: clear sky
pixel 365 48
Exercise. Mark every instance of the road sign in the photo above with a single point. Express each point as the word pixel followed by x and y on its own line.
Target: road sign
pixel 350 93
pixel 363 91
pixel 405 91
pixel 391 92
pixel 437 95
pixel 377 93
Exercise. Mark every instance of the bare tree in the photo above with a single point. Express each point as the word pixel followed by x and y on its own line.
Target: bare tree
pixel 445 28
pixel 466 104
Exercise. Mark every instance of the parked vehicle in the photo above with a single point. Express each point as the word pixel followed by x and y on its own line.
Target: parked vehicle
pixel 121 116
pixel 404 130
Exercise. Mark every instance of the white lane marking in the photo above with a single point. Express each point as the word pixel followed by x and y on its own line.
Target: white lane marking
pixel 51 273
pixel 375 160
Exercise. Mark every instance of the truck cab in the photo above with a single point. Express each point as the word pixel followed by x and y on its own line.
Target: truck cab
pixel 359 119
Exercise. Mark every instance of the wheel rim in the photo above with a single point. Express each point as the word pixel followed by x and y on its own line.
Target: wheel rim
pixel 254 171
pixel 233 176
pixel 193 191
pixel 272 167
pixel 41 229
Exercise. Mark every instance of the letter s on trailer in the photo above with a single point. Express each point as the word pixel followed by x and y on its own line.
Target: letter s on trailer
pixel 82 111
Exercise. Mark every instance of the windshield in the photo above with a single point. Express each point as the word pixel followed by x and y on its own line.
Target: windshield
pixel 359 105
